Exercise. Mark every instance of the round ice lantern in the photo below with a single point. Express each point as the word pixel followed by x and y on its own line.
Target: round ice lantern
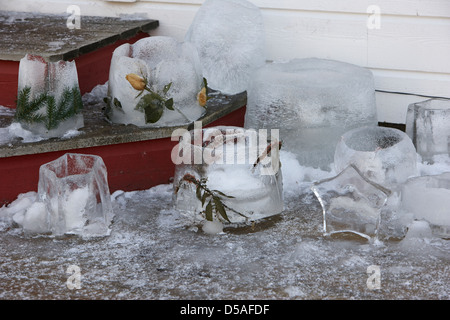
pixel 383 155
pixel 155 82
pixel 312 102
pixel 227 174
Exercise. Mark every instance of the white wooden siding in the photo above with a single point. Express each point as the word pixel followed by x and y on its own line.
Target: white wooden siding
pixel 409 54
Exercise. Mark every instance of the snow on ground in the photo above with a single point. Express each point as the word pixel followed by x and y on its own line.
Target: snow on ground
pixel 155 253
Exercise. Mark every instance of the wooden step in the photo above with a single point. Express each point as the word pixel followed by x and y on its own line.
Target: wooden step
pixel 48 36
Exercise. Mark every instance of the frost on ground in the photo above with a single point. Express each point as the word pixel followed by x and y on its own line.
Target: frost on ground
pixel 155 253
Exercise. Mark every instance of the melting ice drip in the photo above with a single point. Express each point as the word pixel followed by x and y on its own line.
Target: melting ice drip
pixel 239 179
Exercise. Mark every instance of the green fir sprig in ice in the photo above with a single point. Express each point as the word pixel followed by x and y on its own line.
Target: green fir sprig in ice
pixel 30 110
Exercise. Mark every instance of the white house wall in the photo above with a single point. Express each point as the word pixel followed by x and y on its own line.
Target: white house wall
pixel 408 52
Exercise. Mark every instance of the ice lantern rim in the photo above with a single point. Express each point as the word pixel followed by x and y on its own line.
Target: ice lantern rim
pixel 385 190
pixel 51 168
pixel 351 141
pixel 428 104
pixel 48 65
pixel 299 66
pixel 253 149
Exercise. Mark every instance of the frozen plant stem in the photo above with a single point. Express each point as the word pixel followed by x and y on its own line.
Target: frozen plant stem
pixel 213 198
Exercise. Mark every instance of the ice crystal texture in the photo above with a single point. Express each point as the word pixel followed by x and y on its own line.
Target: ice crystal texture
pixel 428 198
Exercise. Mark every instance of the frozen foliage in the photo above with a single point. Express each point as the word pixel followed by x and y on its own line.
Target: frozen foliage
pixel 427 126
pixel 238 167
pixel 230 38
pixel 384 155
pixel 313 102
pixel 74 189
pixel 428 198
pixel 351 203
pixel 49 100
pixel 173 79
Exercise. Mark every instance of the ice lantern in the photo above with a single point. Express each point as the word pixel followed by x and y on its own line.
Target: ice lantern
pixel 427 124
pixel 351 203
pixel 230 38
pixel 227 174
pixel 428 198
pixel 313 102
pixel 155 82
pixel 384 155
pixel 48 100
pixel 74 189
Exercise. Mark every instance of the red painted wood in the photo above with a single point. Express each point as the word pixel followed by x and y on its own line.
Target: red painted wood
pixel 131 166
pixel 92 67
pixel 9 73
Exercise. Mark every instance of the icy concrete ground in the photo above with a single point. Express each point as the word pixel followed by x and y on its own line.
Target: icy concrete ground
pixel 153 253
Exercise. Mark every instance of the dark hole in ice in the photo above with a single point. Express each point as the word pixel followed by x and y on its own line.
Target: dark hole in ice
pixel 372 139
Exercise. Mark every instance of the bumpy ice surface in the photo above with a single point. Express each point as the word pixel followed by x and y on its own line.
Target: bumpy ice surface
pixel 230 38
pixel 312 102
pixel 161 60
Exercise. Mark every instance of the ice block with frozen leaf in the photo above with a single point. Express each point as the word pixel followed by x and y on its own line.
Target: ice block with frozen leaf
pixel 155 82
pixel 237 172
pixel 49 100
